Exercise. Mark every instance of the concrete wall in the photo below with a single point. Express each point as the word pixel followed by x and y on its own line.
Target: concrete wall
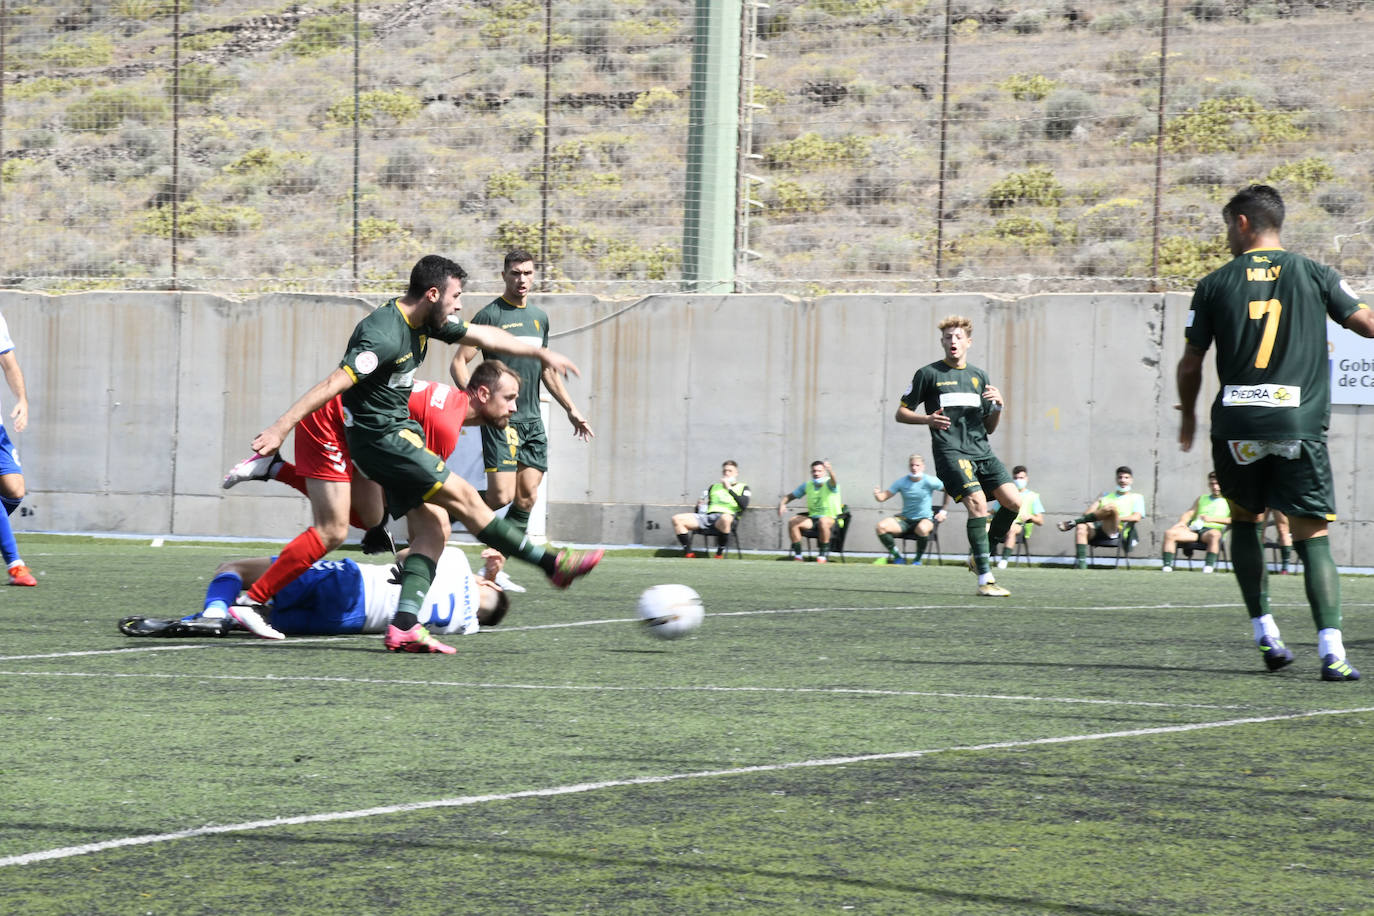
pixel 139 401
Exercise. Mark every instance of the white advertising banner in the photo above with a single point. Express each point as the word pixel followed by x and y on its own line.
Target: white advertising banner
pixel 1352 365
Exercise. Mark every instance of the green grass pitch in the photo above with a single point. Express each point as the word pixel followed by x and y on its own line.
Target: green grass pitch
pixel 833 739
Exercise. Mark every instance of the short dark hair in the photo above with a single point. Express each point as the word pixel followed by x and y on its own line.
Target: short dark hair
pixel 1019 469
pixel 494 616
pixel 1211 476
pixel 515 256
pixel 730 461
pixel 1261 205
pixel 818 462
pixel 432 272
pixel 488 372
pixel 1125 470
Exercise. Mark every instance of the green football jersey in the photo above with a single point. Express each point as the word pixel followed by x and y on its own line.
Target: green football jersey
pixel 529 323
pixel 1266 310
pixel 959 392
pixel 382 357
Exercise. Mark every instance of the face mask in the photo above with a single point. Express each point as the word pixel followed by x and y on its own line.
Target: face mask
pixel 1124 488
pixel 730 481
pixel 820 480
pixel 1020 484
pixel 916 475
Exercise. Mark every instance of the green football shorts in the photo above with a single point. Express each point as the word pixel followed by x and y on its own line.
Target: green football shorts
pixel 1301 486
pixel 962 476
pixel 398 461
pixel 522 443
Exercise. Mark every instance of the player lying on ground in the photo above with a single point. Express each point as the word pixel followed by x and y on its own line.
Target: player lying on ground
pixel 375 379
pixel 340 597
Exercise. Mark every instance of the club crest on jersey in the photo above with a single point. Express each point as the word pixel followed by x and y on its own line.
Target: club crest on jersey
pixel 1261 396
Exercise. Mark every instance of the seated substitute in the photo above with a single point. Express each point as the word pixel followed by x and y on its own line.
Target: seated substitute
pixel 341 597
pixel 1102 522
pixel 720 503
pixel 916 519
pixel 823 505
pixel 1031 513
pixel 1206 520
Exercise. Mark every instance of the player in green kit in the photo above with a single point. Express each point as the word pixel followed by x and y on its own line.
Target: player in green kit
pixel 375 379
pixel 1266 310
pixel 962 408
pixel 516 458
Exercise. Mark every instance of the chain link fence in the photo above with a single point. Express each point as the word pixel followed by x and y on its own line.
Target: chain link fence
pixel 886 145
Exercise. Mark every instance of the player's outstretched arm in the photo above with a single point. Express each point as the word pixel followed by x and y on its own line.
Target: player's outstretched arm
pixel 488 337
pixel 1361 322
pixel 270 439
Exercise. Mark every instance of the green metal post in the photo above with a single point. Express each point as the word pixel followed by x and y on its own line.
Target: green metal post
pixel 708 262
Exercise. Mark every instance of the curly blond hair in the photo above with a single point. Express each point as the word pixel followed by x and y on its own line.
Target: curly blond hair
pixel 956 321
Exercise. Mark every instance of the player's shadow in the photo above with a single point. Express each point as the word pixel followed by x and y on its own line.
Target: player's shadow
pixel 1004 663
pixel 651 864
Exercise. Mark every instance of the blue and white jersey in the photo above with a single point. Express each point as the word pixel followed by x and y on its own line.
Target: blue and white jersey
pixel 340 596
pixel 916 494
pixel 450 605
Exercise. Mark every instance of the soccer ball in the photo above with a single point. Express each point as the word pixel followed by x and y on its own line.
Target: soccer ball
pixel 670 611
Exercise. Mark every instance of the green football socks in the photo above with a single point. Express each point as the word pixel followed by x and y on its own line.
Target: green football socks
pixel 1322 581
pixel 417 574
pixel 978 543
pixel 1252 575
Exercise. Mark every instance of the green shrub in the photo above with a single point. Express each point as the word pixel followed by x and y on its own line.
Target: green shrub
pixel 1030 87
pixel 849 8
pixel 39 87
pixel 1027 22
pixel 1118 218
pixel 204 41
pixel 811 150
pixel 260 161
pixel 1034 186
pixel 506 185
pixel 1216 126
pixel 105 109
pixel 198 82
pixel 1065 110
pixel 95 51
pixel 196 218
pixel 1190 258
pixel 791 197
pixel 142 10
pixel 371 229
pixel 655 100
pixel 322 34
pixel 13 170
pixel 1029 232
pixel 1305 173
pixel 511 19
pixel 769 97
pixel 375 106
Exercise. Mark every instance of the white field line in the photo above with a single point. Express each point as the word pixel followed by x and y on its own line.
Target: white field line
pixel 604 688
pixel 578 788
pixel 616 621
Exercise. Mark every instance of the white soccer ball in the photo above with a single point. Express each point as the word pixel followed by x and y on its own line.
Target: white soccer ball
pixel 670 611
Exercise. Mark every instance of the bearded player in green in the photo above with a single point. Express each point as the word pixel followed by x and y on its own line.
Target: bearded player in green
pixel 1266 310
pixel 375 378
pixel 962 409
